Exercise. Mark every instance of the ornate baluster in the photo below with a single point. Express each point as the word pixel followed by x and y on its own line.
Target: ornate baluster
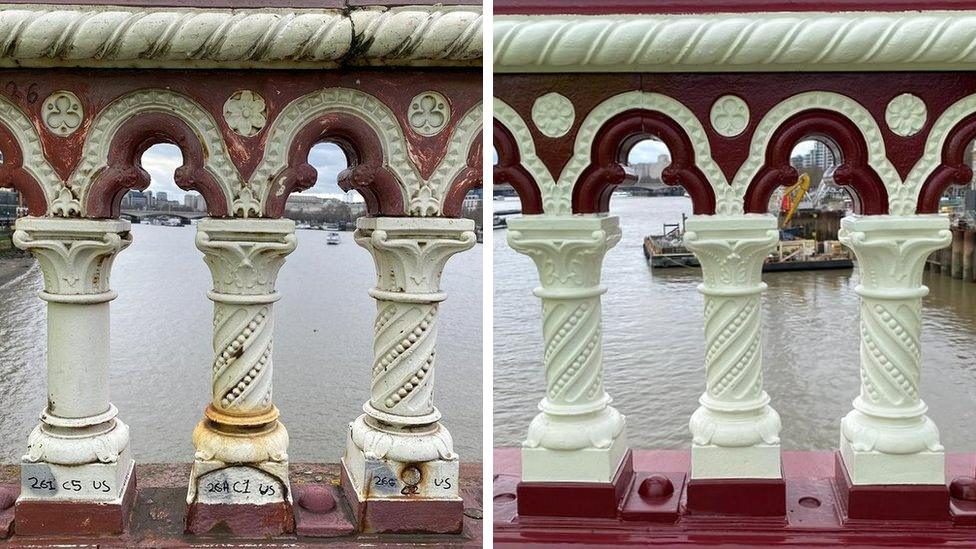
pixel 735 433
pixel 578 436
pixel 398 454
pixel 79 454
pixel 241 447
pixel 887 438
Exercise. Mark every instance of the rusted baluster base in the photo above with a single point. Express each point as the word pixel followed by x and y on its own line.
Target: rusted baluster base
pixel 391 515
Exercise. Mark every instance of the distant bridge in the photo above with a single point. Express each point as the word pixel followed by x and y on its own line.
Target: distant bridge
pixel 136 216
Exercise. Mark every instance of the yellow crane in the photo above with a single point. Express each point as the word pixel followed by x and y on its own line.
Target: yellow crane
pixel 792 197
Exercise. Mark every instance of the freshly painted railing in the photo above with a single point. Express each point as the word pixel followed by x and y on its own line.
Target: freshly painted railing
pixel 574 93
pixel 71 141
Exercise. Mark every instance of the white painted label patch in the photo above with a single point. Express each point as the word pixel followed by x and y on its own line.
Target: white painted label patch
pixel 239 485
pixel 437 479
pixel 86 483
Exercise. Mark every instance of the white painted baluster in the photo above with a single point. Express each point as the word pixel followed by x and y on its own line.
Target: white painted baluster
pixel 80 451
pixel 241 438
pixel 398 447
pixel 577 436
pixel 887 438
pixel 735 433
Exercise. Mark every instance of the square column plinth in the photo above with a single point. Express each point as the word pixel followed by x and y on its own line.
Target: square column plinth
pixel 388 496
pixel 82 500
pixel 245 500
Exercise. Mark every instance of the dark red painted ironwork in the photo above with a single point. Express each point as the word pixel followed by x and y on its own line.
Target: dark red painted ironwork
pixel 853 171
pixel 469 179
pixel 13 175
pixel 364 154
pixel 509 171
pixel 762 92
pixel 608 169
pixel 584 7
pixel 737 497
pixel 97 89
pixel 654 497
pixel 953 169
pixel 815 513
pixel 124 170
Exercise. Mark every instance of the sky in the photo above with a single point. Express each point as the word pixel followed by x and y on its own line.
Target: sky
pixel 162 160
pixel 647 151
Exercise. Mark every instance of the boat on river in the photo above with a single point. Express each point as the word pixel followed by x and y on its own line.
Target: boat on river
pixel 810 244
pixel 333 239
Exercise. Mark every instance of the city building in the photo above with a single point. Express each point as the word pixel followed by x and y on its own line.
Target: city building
pixel 195 202
pixel 135 200
pixel 472 200
pixel 820 157
pixel 650 172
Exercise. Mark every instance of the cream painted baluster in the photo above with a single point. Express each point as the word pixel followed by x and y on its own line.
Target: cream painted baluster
pixel 241 438
pixel 80 451
pixel 735 433
pixel 398 451
pixel 887 438
pixel 577 436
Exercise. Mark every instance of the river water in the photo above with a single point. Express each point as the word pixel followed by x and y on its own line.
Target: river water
pixel 161 353
pixel 653 344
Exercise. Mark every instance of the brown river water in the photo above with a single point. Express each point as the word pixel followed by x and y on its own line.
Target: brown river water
pixel 653 343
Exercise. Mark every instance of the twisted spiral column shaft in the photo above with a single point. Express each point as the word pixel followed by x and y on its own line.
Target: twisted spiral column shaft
pixel 241 423
pixel 735 433
pixel 400 422
pixel 887 438
pixel 578 436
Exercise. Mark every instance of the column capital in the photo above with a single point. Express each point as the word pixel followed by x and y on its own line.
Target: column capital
pixel 244 255
pixel 567 250
pixel 76 255
pixel 410 253
pixel 891 251
pixel 731 250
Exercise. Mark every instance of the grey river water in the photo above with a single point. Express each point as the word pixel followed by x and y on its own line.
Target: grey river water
pixel 653 344
pixel 161 354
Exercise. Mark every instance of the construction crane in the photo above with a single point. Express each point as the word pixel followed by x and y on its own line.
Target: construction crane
pixel 792 197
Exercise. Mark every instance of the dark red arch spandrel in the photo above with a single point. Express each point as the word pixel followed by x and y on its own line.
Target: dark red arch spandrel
pixel 13 175
pixel 854 172
pixel 124 171
pixel 469 179
pixel 952 170
pixel 608 158
pixel 509 170
pixel 366 173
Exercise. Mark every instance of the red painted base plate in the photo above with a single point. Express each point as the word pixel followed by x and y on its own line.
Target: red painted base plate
pixel 243 520
pixel 8 496
pixel 813 517
pixel 44 518
pixel 404 516
pixel 318 513
pixel 746 497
